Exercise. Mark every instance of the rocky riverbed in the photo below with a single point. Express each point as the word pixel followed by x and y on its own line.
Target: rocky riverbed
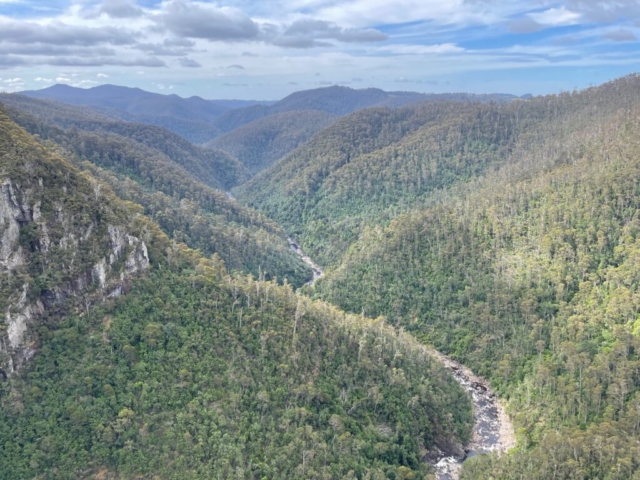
pixel 493 430
pixel 317 271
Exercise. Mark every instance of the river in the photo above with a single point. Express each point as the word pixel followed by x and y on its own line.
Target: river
pixel 293 245
pixel 318 273
pixel 492 430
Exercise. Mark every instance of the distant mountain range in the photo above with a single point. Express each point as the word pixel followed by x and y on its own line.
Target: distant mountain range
pixel 340 101
pixel 258 133
pixel 190 117
pixel 136 101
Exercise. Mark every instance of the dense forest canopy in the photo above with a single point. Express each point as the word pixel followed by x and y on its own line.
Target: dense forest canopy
pixel 260 143
pixel 370 166
pixel 156 169
pixel 177 368
pixel 502 231
pixel 509 243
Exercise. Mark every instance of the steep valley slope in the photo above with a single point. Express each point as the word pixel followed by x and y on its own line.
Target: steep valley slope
pixel 260 143
pixel 506 236
pixel 161 172
pixel 141 358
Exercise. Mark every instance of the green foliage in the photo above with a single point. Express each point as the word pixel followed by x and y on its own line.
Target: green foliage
pixel 369 167
pixel 127 157
pixel 195 373
pixel 529 276
pixel 260 143
pixel 230 377
pixel 506 235
pixel 332 100
pixel 211 167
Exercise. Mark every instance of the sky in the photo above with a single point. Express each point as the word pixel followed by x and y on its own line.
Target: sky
pixel 264 50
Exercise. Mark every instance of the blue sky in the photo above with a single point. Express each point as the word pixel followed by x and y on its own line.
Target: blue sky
pixel 266 50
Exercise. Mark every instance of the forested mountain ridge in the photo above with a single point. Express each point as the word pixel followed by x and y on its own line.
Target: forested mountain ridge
pixel 213 167
pixel 260 143
pixel 364 166
pixel 332 100
pixel 201 121
pixel 140 102
pixel 127 157
pixel 189 117
pixel 530 277
pixel 131 100
pixel 189 371
pixel 339 101
pixel 370 166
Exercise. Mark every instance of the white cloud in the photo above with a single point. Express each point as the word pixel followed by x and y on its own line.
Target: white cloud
pixel 84 83
pixel 555 17
pixel 620 35
pixel 375 40
pixel 605 11
pixel 382 12
pixel 201 20
pixel 12 84
pixel 189 63
pixel 404 49
pixel 403 80
pixel 162 86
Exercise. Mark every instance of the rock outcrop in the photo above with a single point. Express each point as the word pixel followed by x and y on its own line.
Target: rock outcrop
pixel 64 242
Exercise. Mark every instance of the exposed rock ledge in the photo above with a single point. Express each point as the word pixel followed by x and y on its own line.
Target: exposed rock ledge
pixel 121 257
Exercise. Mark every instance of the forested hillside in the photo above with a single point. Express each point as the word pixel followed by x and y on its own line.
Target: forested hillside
pixel 213 167
pixel 339 101
pixel 260 143
pixel 177 369
pixel 503 231
pixel 200 121
pixel 370 166
pixel 529 275
pixel 332 100
pixel 154 168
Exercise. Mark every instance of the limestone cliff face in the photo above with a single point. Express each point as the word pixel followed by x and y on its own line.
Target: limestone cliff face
pixel 64 243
